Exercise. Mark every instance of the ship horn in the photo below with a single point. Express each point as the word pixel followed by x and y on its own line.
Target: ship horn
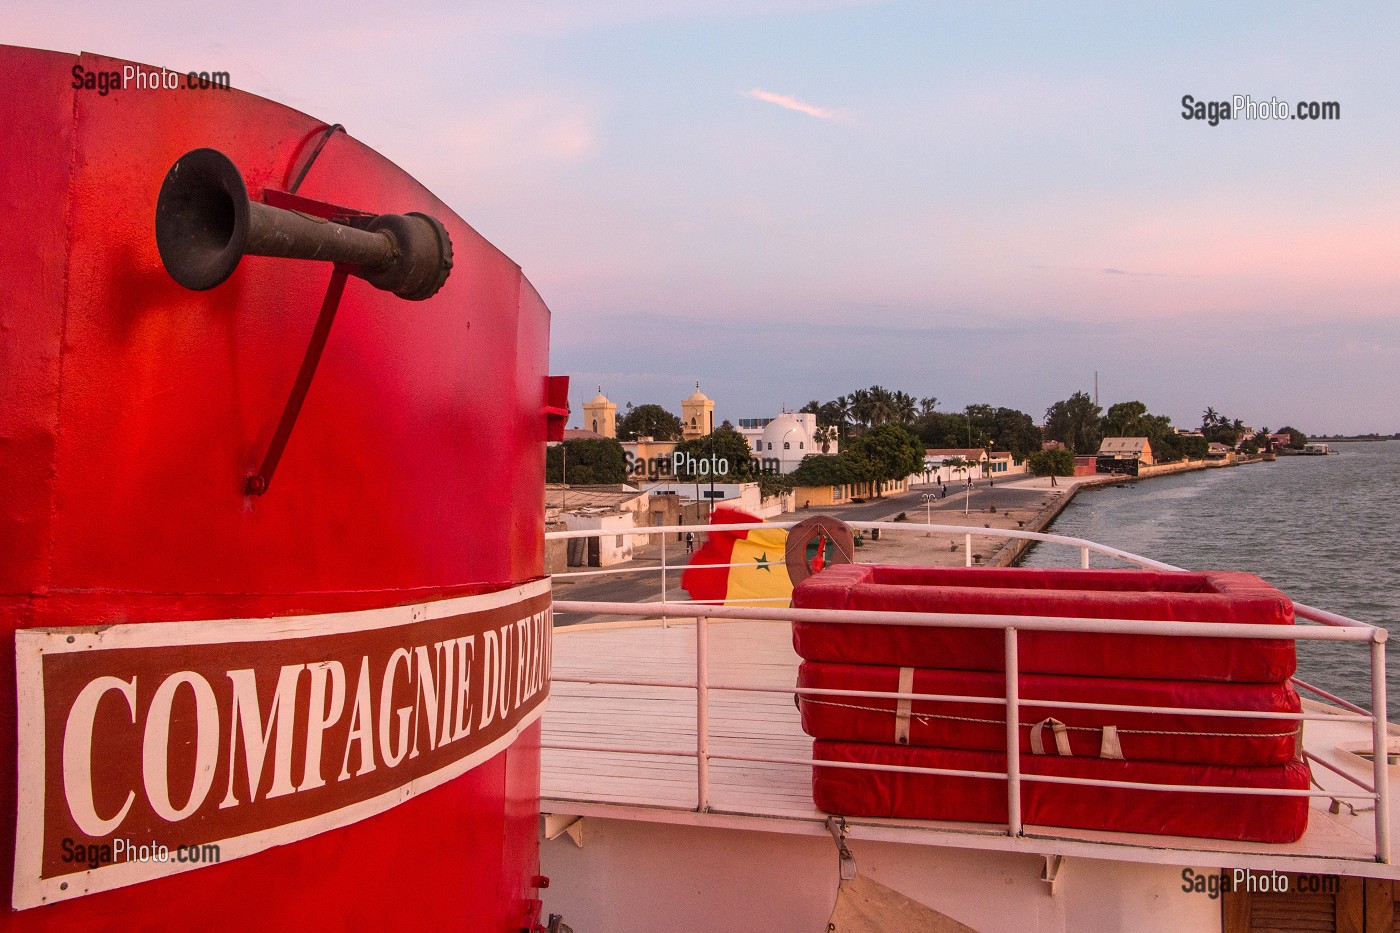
pixel 205 224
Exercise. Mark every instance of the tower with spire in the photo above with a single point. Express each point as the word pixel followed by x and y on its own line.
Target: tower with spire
pixel 697 415
pixel 600 415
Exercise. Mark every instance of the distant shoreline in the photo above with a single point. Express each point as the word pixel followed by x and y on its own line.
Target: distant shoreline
pixel 1014 549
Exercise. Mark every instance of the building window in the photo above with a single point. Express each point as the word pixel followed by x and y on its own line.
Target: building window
pixel 770 445
pixel 787 446
pixel 800 445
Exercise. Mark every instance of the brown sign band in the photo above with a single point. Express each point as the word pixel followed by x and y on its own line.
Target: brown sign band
pixel 251 733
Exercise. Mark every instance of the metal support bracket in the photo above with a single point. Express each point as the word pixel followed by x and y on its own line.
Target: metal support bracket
pixel 557 824
pixel 1050 874
pixel 257 484
pixel 836 825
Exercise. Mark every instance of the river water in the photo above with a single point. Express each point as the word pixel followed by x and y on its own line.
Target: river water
pixel 1325 530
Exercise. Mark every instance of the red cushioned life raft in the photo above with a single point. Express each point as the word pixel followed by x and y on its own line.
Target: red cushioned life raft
pixel 1140 736
pixel 1176 813
pixel 1186 749
pixel 1111 594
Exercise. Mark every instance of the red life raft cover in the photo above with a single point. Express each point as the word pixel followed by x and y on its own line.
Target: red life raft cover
pixel 1140 736
pixel 1109 594
pixel 1245 817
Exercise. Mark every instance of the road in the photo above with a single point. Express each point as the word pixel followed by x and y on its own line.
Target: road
pixel 646 587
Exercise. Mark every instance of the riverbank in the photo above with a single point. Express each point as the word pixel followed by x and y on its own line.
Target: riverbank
pixel 1013 550
pixel 1024 505
pixel 1018 511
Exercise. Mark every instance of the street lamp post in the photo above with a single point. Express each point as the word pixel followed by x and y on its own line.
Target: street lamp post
pixel 928 498
pixel 564 477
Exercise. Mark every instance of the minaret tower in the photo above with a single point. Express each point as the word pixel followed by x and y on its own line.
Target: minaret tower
pixel 600 415
pixel 697 415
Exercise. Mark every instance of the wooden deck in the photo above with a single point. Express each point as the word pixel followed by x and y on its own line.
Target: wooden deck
pixel 777 797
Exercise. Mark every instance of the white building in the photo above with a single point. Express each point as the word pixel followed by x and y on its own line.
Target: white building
pixel 785 439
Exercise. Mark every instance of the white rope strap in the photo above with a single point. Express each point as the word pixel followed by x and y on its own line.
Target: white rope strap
pixel 927 718
pixel 905 706
pixel 1061 738
pixel 1109 746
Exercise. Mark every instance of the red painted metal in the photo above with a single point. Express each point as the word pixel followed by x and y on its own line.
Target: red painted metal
pixel 132 411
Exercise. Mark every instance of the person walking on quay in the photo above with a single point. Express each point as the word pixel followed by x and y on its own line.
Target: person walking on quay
pixel 690 542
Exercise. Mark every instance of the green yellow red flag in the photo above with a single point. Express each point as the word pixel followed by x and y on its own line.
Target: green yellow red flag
pixel 759 576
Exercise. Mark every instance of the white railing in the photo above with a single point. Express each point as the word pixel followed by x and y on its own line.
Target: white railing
pixel 1329 627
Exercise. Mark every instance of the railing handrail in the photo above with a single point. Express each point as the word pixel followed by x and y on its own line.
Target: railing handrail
pixel 1146 563
pixel 675 610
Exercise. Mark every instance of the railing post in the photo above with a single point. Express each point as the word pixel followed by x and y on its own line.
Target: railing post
pixel 967 550
pixel 1379 747
pixel 1084 558
pixel 1013 737
pixel 663 579
pixel 702 715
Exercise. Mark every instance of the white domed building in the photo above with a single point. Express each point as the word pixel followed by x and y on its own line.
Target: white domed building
pixel 787 439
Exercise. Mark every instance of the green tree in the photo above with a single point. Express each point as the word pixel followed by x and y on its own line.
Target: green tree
pixel 893 450
pixel 841 469
pixel 1125 419
pixel 649 421
pixel 1014 431
pixel 586 462
pixel 1297 440
pixel 1075 422
pixel 945 430
pixel 728 448
pixel 1055 462
pixel 905 408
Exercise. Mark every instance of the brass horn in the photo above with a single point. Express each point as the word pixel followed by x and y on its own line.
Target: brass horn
pixel 205 224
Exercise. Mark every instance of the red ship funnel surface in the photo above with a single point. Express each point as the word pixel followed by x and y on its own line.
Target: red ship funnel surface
pixel 236 705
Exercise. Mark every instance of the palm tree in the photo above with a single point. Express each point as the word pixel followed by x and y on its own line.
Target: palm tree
pixel 860 406
pixel 841 408
pixel 928 405
pixel 1209 417
pixel 905 407
pixel 824 437
pixel 882 406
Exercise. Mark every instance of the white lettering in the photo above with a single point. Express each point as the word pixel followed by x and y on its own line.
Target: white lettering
pixel 319 718
pixel 490 651
pixel 466 652
pixel 426 697
pixel 77 755
pixel 155 745
pixel 361 726
pixel 247 711
pixel 386 703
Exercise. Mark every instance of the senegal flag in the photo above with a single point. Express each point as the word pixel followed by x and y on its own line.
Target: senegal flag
pixel 761 573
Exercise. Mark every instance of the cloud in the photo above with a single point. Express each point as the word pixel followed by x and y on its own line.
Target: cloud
pixel 1154 275
pixel 792 103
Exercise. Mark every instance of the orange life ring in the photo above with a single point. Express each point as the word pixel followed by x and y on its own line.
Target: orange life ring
pixel 834 538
